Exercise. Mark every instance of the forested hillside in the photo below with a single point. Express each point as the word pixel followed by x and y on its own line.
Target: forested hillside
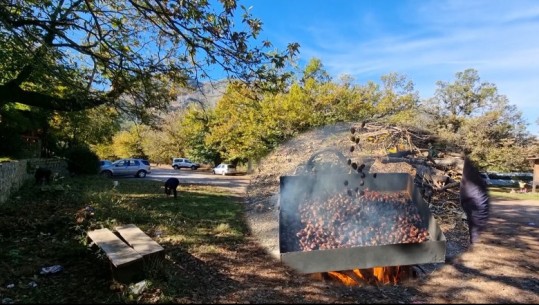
pixel 144 85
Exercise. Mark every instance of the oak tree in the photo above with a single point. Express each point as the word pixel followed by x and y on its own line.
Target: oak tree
pixel 76 54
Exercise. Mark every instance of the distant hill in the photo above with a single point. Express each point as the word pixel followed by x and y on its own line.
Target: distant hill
pixel 206 94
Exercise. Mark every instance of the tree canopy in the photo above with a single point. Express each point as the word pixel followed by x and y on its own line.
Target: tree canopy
pixel 481 121
pixel 75 54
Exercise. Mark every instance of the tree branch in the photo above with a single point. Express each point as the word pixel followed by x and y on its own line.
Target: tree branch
pixel 12 94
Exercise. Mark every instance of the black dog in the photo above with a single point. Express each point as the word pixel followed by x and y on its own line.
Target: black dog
pixel 43 175
pixel 170 186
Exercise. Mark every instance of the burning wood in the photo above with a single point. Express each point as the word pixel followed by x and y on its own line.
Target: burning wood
pixel 370 276
pixel 365 218
pixel 340 231
pixel 321 232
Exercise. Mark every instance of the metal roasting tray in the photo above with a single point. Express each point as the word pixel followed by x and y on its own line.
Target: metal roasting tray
pixel 294 189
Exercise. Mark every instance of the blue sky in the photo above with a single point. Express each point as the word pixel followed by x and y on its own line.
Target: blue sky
pixel 425 40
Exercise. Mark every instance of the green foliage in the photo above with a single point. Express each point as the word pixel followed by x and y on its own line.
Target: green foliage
pixel 176 136
pixel 505 157
pixel 286 115
pixel 154 146
pixel 171 136
pixel 20 130
pixel 196 128
pixel 398 100
pixel 104 151
pixel 473 116
pixel 82 161
pixel 128 143
pixel 246 124
pixel 141 50
pixel 24 130
pixel 314 72
pixel 360 103
pixel 90 127
pixel 235 131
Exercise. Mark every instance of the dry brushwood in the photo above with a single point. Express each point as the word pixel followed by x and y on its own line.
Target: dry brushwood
pixel 383 145
pixel 378 148
pixel 386 148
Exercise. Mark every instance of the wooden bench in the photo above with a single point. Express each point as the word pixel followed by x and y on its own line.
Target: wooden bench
pixel 127 249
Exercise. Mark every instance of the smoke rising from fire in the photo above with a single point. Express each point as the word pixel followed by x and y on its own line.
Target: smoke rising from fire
pixel 322 162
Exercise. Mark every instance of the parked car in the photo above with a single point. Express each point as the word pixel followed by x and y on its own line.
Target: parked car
pixel 104 164
pixel 224 169
pixel 485 178
pixel 507 179
pixel 179 163
pixel 127 167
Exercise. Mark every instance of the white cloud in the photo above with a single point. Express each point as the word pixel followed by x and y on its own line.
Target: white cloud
pixel 497 38
pixel 424 40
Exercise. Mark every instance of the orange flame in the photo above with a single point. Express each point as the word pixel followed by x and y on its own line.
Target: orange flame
pixel 371 276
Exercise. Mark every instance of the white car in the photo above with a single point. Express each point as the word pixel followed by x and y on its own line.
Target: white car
pixel 224 169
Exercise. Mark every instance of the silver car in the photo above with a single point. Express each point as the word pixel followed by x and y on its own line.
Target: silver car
pixel 179 163
pixel 127 167
pixel 104 164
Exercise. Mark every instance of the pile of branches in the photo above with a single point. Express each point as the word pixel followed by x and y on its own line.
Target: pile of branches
pixel 437 166
pixel 381 148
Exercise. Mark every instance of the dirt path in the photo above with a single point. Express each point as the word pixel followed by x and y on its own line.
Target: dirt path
pixel 502 268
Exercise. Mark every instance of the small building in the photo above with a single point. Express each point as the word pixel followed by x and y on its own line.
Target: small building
pixel 535 163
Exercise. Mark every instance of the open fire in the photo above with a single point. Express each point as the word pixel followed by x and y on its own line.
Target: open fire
pixel 368 218
pixel 356 236
pixel 369 276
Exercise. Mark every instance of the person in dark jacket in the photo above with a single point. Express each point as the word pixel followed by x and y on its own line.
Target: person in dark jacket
pixel 474 199
pixel 170 186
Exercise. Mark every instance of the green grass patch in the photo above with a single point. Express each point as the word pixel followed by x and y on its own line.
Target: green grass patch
pixel 512 193
pixel 39 228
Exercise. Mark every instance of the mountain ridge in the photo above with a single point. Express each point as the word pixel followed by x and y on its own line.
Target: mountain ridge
pixel 206 94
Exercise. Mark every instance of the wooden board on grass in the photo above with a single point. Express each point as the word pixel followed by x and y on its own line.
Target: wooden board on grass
pixel 118 252
pixel 137 239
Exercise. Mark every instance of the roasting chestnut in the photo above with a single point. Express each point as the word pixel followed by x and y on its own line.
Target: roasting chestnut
pixel 374 218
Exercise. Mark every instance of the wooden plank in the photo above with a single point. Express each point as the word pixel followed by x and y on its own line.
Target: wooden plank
pixel 116 250
pixel 137 239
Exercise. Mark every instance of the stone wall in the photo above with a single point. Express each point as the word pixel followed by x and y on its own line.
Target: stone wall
pixel 14 174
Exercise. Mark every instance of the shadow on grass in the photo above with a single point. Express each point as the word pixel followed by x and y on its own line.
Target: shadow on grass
pixel 209 254
pixel 202 231
pixel 40 228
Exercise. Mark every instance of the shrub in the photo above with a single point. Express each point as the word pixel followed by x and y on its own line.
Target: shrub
pixel 82 161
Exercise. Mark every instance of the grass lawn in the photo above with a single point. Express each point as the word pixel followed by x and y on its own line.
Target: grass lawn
pixel 39 229
pixel 505 193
